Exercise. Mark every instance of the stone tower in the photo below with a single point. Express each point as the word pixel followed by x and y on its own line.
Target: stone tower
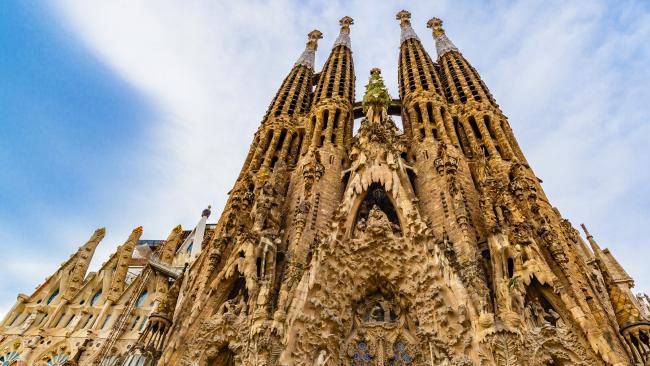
pixel 433 244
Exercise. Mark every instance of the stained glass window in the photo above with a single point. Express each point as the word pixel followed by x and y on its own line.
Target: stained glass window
pixel 96 297
pixel 362 355
pixel 401 356
pixel 143 296
pixel 108 318
pixel 53 296
pixel 9 358
pixel 58 360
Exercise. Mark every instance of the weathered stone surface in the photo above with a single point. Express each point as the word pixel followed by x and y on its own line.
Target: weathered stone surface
pixel 434 245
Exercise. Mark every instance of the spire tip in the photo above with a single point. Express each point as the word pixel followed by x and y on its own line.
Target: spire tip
pixel 404 17
pixel 344 37
pixel 308 56
pixel 313 37
pixel 346 22
pixel 443 44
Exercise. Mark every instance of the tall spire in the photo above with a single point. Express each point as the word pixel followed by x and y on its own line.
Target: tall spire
pixel 404 18
pixel 443 43
pixel 293 95
pixel 308 56
pixel 344 36
pixel 337 76
pixel 622 299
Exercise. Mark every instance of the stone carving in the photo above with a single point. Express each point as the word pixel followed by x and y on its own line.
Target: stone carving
pixel 431 245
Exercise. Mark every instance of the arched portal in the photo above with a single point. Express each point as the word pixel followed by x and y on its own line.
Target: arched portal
pixel 376 199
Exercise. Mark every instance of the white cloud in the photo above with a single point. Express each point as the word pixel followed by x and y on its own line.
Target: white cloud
pixel 559 71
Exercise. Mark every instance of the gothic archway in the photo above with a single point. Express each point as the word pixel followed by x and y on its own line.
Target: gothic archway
pixel 376 200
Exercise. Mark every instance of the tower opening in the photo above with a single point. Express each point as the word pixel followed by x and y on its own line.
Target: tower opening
pixel 540 310
pixel 239 287
pixel 377 198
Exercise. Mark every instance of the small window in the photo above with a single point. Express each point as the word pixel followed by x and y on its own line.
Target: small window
pixel 15 319
pixel 144 321
pixel 88 321
pixel 141 298
pixel 53 296
pixel 60 322
pixel 96 297
pixel 135 322
pixel 108 318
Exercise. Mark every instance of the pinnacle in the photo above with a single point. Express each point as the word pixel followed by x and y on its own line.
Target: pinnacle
pixel 308 56
pixel 344 36
pixel 346 21
pixel 313 37
pixel 443 44
pixel 404 18
pixel 434 23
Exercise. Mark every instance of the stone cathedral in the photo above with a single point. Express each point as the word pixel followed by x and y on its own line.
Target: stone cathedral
pixel 433 244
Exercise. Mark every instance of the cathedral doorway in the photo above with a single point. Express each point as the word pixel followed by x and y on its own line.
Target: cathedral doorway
pixel 380 336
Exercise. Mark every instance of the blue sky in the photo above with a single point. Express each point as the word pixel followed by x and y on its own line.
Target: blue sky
pixel 123 113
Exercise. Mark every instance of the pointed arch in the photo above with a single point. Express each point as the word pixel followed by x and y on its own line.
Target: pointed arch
pixel 10 351
pixel 56 355
pixel 375 194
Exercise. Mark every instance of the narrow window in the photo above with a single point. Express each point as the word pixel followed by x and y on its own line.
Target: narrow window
pixel 108 318
pixel 419 113
pixel 511 267
pixel 141 298
pixel 58 323
pixel 144 321
pixel 53 296
pixel 432 119
pixel 472 123
pixel 96 297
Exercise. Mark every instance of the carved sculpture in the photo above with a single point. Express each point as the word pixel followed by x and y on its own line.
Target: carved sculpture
pixel 429 245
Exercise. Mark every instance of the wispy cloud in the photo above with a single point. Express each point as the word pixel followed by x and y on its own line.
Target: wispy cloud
pixel 571 76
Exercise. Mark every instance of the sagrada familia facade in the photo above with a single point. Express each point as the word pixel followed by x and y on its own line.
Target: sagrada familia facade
pixel 431 245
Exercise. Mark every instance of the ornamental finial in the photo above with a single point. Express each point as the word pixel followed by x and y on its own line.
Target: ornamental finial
pixel 443 44
pixel 345 23
pixel 376 99
pixel 313 37
pixel 206 213
pixel 308 56
pixel 436 25
pixel 344 37
pixel 404 18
